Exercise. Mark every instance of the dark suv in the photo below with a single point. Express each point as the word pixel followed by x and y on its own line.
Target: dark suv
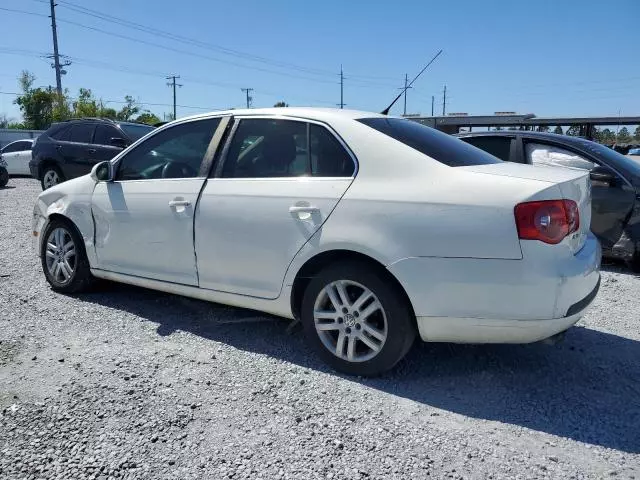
pixel 69 149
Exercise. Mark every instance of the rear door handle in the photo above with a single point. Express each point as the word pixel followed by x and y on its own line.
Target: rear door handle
pixel 309 209
pixel 179 203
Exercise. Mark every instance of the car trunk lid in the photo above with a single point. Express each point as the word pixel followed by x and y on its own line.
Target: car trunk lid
pixel 564 183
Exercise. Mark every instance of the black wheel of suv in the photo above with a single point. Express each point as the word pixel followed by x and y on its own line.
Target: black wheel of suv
pixel 64 259
pixel 51 176
pixel 4 177
pixel 356 319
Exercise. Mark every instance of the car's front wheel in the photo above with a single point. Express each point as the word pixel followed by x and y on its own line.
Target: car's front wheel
pixel 357 320
pixel 64 259
pixel 51 176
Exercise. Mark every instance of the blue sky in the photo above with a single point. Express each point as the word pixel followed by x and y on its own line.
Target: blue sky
pixel 551 58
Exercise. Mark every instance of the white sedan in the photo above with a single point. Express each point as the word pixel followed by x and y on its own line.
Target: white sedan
pixel 369 229
pixel 17 156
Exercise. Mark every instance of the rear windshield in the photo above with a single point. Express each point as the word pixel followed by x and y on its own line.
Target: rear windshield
pixel 135 131
pixel 439 146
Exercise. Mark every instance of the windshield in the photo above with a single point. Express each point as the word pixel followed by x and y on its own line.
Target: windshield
pixel 437 145
pixel 135 131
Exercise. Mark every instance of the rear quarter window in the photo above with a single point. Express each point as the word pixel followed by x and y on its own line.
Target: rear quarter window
pixel 444 148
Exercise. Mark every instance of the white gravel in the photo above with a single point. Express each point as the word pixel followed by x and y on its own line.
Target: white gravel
pixel 129 383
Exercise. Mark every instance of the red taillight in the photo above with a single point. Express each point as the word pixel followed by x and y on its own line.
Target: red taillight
pixel 548 221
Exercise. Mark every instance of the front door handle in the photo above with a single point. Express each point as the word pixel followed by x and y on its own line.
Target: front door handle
pixel 91 150
pixel 179 203
pixel 302 209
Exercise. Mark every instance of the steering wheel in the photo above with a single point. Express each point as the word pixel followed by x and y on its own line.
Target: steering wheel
pixel 178 170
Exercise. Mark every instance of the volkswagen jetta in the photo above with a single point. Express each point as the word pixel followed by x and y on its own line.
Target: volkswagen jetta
pixel 369 229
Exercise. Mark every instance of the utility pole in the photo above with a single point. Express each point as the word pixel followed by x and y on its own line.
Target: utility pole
pixel 444 101
pixel 173 84
pixel 341 104
pixel 249 97
pixel 56 55
pixel 406 87
pixel 433 99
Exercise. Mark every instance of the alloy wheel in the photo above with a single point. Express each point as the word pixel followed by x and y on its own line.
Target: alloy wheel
pixel 50 178
pixel 350 321
pixel 60 255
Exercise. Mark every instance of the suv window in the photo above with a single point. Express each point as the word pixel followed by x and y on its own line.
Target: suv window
pixel 437 145
pixel 264 148
pixel 80 133
pixel 60 132
pixel 175 152
pixel 497 146
pixel 135 131
pixel 104 134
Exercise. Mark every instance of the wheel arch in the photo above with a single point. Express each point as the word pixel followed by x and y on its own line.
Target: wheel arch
pixel 46 162
pixel 314 264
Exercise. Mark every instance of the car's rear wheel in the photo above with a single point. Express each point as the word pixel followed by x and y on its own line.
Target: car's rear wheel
pixel 358 321
pixel 4 177
pixel 51 176
pixel 64 259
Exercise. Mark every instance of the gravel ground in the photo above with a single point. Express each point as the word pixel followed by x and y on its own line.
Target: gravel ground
pixel 130 383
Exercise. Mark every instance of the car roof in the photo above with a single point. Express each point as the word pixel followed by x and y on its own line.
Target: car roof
pixel 309 113
pixel 553 137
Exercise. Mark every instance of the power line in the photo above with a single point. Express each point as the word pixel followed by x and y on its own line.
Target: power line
pixel 180 38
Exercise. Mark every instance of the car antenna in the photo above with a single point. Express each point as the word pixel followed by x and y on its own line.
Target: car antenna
pixel 386 110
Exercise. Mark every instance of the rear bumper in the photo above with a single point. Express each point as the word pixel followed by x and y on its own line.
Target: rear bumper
pixel 470 300
pixel 483 330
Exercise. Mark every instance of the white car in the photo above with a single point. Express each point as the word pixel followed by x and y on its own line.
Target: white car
pixel 17 155
pixel 369 229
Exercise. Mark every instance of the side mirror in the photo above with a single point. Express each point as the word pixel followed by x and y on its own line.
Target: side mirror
pixel 118 142
pixel 602 176
pixel 102 172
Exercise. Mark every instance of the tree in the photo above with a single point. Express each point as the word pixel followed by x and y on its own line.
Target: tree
pixel 4 120
pixel 148 118
pixel 558 130
pixel 597 135
pixel 573 130
pixel 40 107
pixel 623 136
pixel 636 134
pixel 543 128
pixel 607 136
pixel 108 113
pixel 281 104
pixel 85 105
pixel 130 109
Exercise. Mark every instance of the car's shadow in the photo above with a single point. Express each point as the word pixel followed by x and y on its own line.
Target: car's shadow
pixel 586 388
pixel 8 187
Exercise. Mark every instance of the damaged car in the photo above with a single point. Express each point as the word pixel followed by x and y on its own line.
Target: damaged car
pixel 615 181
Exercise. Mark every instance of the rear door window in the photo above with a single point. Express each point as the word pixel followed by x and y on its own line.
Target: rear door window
pixel 80 133
pixel 499 147
pixel 441 147
pixel 104 134
pixel 550 155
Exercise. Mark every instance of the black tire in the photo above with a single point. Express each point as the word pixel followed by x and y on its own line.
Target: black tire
pixel 4 177
pixel 80 278
pixel 53 171
pixel 634 264
pixel 400 324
